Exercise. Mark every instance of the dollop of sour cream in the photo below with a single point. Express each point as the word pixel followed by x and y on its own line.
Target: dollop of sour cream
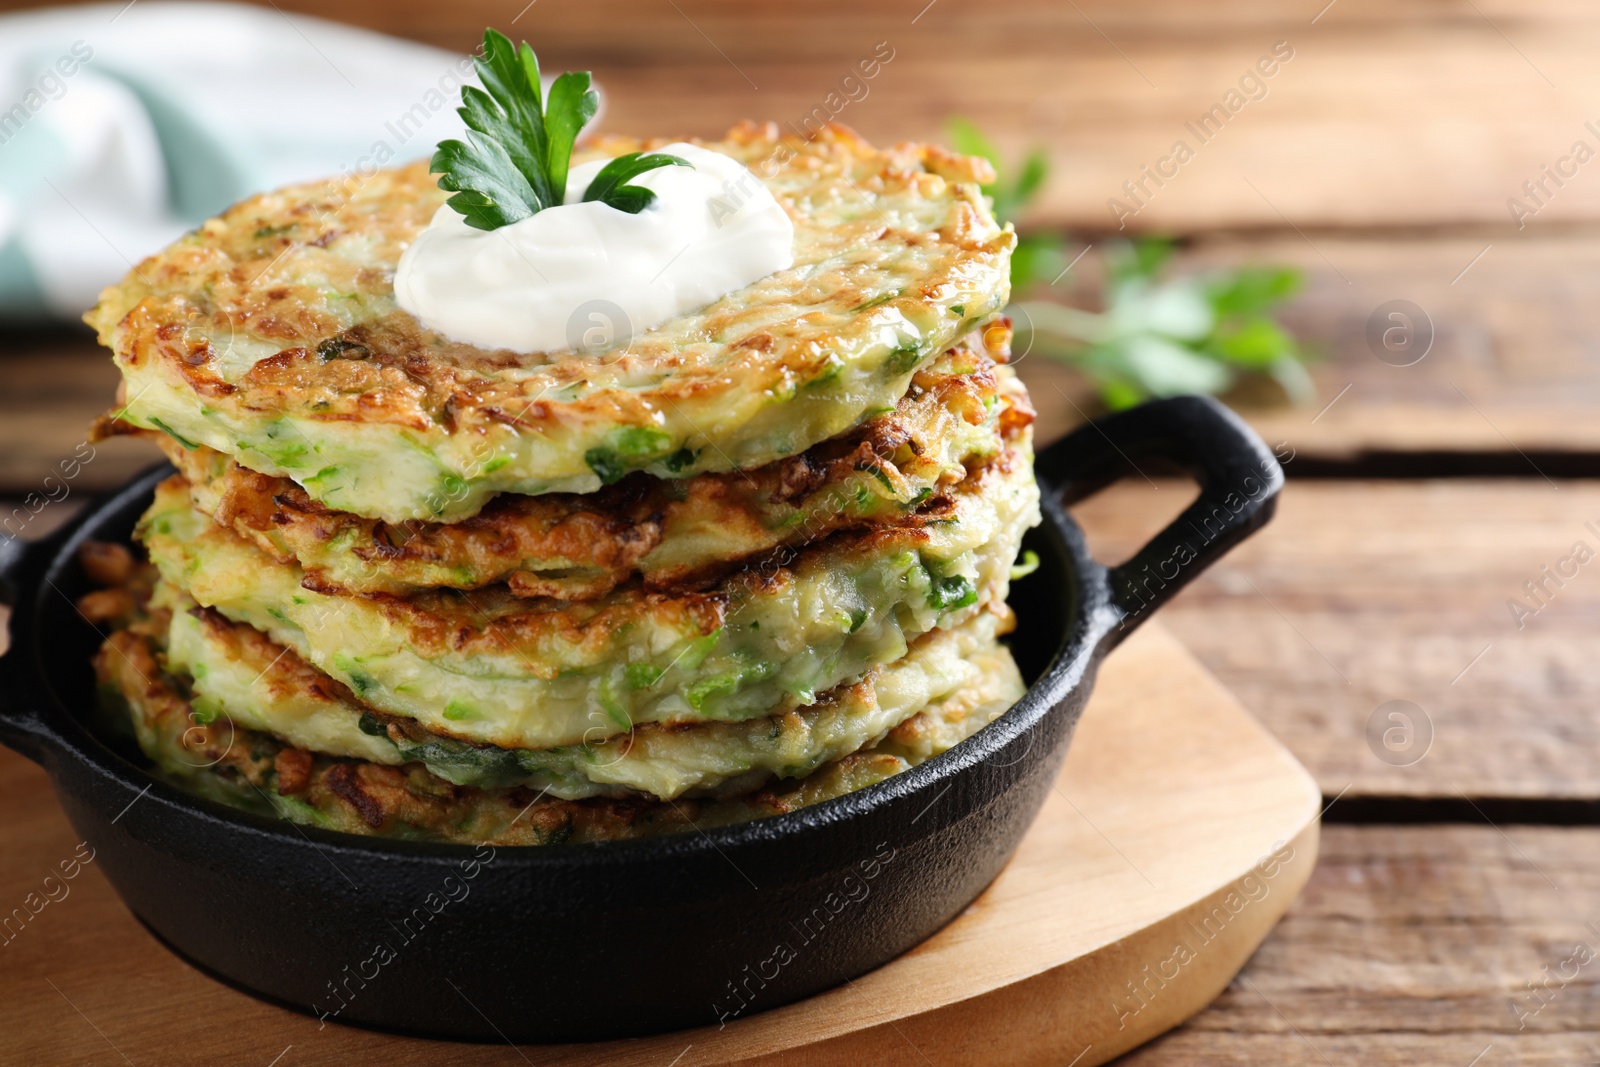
pixel 586 276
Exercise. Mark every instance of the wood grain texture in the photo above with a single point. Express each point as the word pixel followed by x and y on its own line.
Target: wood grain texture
pixel 1360 593
pixel 1136 851
pixel 1417 946
pixel 52 384
pixel 1511 365
pixel 1388 114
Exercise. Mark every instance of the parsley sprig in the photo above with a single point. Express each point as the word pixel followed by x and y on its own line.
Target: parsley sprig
pixel 1157 334
pixel 609 186
pixel 514 161
pixel 1162 335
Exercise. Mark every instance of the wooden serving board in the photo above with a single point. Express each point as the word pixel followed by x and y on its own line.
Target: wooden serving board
pixel 1178 834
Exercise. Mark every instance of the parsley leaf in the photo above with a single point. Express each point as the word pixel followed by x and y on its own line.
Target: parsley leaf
pixel 1161 336
pixel 572 105
pixel 518 147
pixel 500 174
pixel 1156 335
pixel 609 186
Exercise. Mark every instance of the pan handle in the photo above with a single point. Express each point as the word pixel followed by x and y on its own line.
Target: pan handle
pixel 21 725
pixel 1239 482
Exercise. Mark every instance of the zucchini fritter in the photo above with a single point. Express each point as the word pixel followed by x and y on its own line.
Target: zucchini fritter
pixel 962 409
pixel 271 334
pixel 236 671
pixel 491 668
pixel 223 761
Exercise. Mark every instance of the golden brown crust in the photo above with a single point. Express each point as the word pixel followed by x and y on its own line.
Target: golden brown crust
pixel 251 769
pixel 579 547
pixel 276 322
pixel 491 620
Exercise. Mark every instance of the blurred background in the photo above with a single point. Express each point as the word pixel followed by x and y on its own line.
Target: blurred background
pixel 1369 226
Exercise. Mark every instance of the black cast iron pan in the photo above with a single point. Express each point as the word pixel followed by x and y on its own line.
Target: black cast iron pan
pixel 582 942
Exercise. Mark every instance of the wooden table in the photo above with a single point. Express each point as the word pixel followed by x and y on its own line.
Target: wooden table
pixel 1452 890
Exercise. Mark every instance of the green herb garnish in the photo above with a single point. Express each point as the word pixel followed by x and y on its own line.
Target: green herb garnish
pixel 609 186
pixel 1161 336
pixel 1156 335
pixel 513 163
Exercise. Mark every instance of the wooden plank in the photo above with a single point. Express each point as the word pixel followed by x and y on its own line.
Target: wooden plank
pixel 1410 947
pixel 1361 593
pixel 1510 366
pixel 1388 114
pixel 1205 839
pixel 52 383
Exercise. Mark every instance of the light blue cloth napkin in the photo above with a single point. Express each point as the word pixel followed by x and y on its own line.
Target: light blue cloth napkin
pixel 123 125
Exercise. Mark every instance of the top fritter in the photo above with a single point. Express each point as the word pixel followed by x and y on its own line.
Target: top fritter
pixel 273 334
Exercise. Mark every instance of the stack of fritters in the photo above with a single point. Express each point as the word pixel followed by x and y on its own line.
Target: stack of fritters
pixel 745 561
